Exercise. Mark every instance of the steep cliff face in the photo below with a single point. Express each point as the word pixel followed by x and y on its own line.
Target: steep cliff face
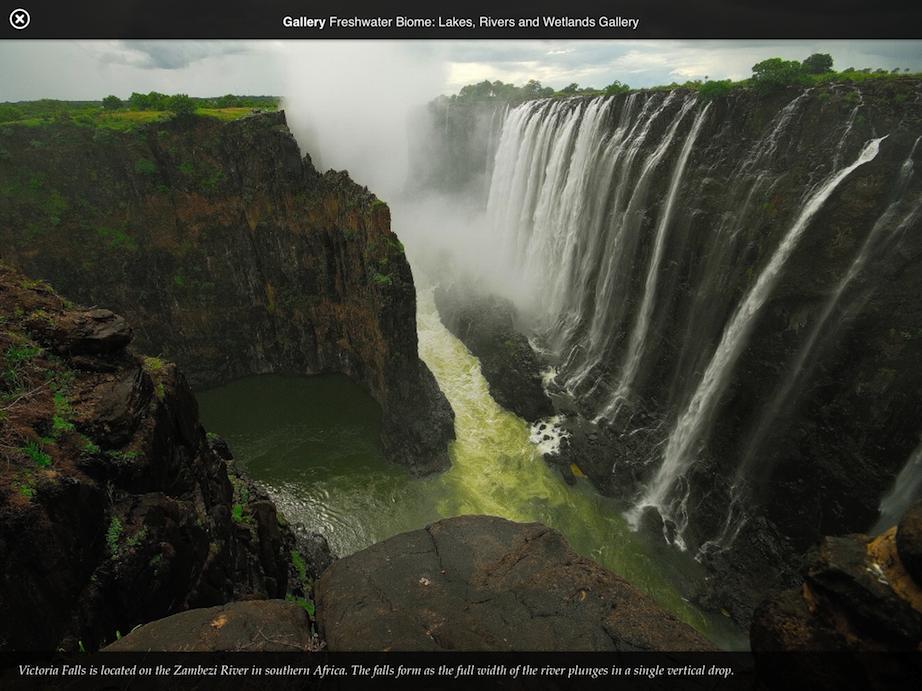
pixel 114 510
pixel 727 289
pixel 230 254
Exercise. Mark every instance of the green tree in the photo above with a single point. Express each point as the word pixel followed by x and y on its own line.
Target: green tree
pixel 228 101
pixel 775 73
pixel 818 63
pixel 158 101
pixel 616 87
pixel 480 90
pixel 533 89
pixel 138 101
pixel 111 102
pixel 180 104
pixel 571 88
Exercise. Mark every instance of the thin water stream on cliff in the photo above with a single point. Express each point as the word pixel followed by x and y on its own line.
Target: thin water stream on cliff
pixel 312 443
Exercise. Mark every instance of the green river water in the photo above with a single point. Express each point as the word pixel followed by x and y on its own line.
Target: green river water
pixel 312 443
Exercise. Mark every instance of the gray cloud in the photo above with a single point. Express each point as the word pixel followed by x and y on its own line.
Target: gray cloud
pixel 168 55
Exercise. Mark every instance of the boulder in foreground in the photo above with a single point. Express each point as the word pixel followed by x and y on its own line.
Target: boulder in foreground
pixel 485 583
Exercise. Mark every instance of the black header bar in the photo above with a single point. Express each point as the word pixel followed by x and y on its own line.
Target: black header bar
pixel 460 19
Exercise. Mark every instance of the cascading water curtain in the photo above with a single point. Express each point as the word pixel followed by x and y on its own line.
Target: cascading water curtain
pixel 586 200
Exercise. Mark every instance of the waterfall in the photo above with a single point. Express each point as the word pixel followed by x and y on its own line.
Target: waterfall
pixel 750 182
pixel 680 450
pixel 646 233
pixel 902 212
pixel 907 487
pixel 837 158
pixel 639 333
pixel 497 118
pixel 570 190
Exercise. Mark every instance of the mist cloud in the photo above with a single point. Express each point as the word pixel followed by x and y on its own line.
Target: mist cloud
pixel 348 104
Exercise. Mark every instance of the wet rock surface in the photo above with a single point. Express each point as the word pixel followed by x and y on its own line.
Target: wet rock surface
pixel 315 550
pixel 486 324
pixel 254 626
pixel 86 332
pixel 485 583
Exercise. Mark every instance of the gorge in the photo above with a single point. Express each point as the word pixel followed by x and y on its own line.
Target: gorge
pixel 719 295
pixel 722 290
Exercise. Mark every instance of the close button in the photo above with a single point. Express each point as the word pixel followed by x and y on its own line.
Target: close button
pixel 20 18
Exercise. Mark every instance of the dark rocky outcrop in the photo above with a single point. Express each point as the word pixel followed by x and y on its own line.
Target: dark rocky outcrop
pixel 856 598
pixel 255 626
pixel 485 583
pixel 229 254
pixel 486 324
pixel 909 541
pixel 857 595
pixel 114 509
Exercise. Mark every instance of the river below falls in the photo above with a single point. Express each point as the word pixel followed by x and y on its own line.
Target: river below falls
pixel 312 444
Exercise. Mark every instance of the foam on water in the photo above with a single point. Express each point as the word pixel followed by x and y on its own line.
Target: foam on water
pixel 547 434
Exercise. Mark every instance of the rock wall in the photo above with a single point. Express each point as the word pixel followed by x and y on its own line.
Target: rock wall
pixel 230 254
pixel 486 324
pixel 114 509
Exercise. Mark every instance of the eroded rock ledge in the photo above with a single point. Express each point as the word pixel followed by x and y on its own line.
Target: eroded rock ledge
pixel 485 583
pixel 858 594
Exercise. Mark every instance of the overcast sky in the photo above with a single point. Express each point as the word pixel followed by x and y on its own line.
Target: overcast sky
pixel 348 102
pixel 93 69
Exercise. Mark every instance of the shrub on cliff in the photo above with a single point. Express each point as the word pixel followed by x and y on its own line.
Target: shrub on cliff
pixel 713 89
pixel 10 113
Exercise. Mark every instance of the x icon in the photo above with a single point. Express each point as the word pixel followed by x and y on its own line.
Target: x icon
pixel 19 18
